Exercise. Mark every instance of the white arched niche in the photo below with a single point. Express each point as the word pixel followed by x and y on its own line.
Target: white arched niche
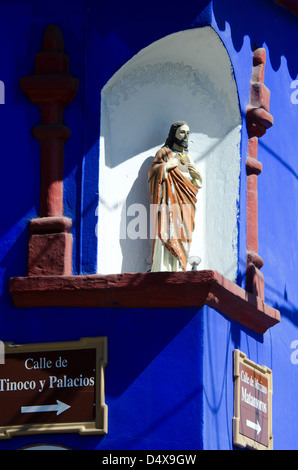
pixel 185 76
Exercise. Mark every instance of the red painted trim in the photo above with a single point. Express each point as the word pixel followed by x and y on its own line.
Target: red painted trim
pixel 258 120
pixel 146 290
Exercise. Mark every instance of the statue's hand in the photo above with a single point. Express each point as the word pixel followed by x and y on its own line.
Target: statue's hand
pixel 194 173
pixel 193 170
pixel 172 163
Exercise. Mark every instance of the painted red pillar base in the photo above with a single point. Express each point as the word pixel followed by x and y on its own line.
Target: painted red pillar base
pixel 50 247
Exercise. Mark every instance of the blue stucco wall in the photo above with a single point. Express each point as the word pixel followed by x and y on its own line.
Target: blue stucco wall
pixel 255 24
pixel 153 376
pixel 169 379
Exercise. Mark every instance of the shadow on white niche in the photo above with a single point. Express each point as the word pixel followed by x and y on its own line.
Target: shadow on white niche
pixel 185 76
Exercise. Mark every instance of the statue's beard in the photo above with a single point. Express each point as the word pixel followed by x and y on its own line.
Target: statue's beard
pixel 182 143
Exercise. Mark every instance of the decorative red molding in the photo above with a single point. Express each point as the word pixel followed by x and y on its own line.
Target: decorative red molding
pixel 258 120
pixel 146 290
pixel 51 88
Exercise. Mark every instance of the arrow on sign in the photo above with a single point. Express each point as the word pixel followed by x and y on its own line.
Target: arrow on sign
pixel 254 426
pixel 59 407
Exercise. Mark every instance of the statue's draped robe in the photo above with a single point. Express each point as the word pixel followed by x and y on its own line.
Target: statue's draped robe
pixel 173 199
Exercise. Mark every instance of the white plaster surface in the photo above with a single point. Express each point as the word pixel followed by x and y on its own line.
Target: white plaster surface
pixel 184 76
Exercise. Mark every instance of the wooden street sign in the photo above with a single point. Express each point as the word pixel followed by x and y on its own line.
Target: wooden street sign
pixel 252 421
pixel 53 387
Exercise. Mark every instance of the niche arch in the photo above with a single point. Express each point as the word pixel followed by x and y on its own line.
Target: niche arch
pixel 185 76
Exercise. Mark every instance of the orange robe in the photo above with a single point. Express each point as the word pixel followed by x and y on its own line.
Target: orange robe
pixel 173 201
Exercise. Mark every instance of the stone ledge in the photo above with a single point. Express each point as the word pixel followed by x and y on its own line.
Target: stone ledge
pixel 146 290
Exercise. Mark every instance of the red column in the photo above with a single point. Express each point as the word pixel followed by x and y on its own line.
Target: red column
pixel 258 120
pixel 51 88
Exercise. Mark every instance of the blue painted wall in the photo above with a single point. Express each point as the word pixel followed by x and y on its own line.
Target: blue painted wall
pixel 255 24
pixel 169 380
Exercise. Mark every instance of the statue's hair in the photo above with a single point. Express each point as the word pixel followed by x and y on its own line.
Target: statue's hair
pixel 170 140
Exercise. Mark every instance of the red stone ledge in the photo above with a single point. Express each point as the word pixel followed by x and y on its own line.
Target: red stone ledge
pixel 146 290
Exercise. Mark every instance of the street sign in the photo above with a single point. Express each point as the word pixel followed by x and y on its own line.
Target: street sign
pixel 53 387
pixel 252 421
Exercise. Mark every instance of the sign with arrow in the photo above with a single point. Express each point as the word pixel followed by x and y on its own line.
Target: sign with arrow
pixel 256 426
pixel 252 421
pixel 59 407
pixel 51 387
